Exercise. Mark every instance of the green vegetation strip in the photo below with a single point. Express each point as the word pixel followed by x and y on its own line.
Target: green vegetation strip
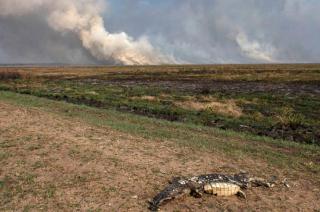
pixel 284 154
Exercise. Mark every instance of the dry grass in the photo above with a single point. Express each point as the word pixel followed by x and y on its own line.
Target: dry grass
pixel 250 72
pixel 14 74
pixel 228 108
pixel 54 163
pixel 148 98
pixel 259 90
pixel 7 75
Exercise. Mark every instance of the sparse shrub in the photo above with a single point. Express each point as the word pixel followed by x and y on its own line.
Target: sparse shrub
pixel 257 116
pixel 289 117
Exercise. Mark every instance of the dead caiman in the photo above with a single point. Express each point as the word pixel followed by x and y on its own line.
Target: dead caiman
pixel 217 184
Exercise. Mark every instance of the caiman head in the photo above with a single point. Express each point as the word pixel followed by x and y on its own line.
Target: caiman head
pixel 242 179
pixel 246 181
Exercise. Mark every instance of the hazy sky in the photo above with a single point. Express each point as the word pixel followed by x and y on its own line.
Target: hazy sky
pixel 181 31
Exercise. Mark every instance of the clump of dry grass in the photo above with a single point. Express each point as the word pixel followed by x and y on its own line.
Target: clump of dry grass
pixel 287 116
pixel 148 98
pixel 228 108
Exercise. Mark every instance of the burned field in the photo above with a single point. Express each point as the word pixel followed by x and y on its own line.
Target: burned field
pixel 110 138
pixel 278 101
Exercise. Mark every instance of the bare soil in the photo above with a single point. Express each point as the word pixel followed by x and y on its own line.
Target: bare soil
pixel 53 163
pixel 201 85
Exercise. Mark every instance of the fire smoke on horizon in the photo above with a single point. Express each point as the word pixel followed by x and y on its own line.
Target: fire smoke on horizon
pixel 83 18
pixel 134 32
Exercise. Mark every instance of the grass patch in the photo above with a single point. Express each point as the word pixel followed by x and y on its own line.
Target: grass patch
pixel 281 153
pixel 4 155
pixel 38 165
pixel 49 191
pixel 278 101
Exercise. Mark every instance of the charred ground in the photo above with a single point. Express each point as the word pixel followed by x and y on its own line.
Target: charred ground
pixel 279 101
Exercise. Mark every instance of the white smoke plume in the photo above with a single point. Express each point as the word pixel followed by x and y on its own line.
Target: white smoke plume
pixel 256 50
pixel 201 32
pixel 83 18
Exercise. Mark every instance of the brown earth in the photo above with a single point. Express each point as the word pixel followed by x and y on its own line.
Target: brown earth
pixel 53 163
pixel 205 86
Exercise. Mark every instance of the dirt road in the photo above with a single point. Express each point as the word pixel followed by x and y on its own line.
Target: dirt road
pixel 54 163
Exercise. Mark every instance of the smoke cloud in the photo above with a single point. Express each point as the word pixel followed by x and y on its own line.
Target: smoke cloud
pixel 255 49
pixel 225 31
pixel 83 18
pixel 156 32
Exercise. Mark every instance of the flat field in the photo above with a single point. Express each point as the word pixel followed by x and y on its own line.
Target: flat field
pixel 278 101
pixel 109 138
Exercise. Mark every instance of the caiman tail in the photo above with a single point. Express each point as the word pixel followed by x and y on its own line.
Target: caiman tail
pixel 177 188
